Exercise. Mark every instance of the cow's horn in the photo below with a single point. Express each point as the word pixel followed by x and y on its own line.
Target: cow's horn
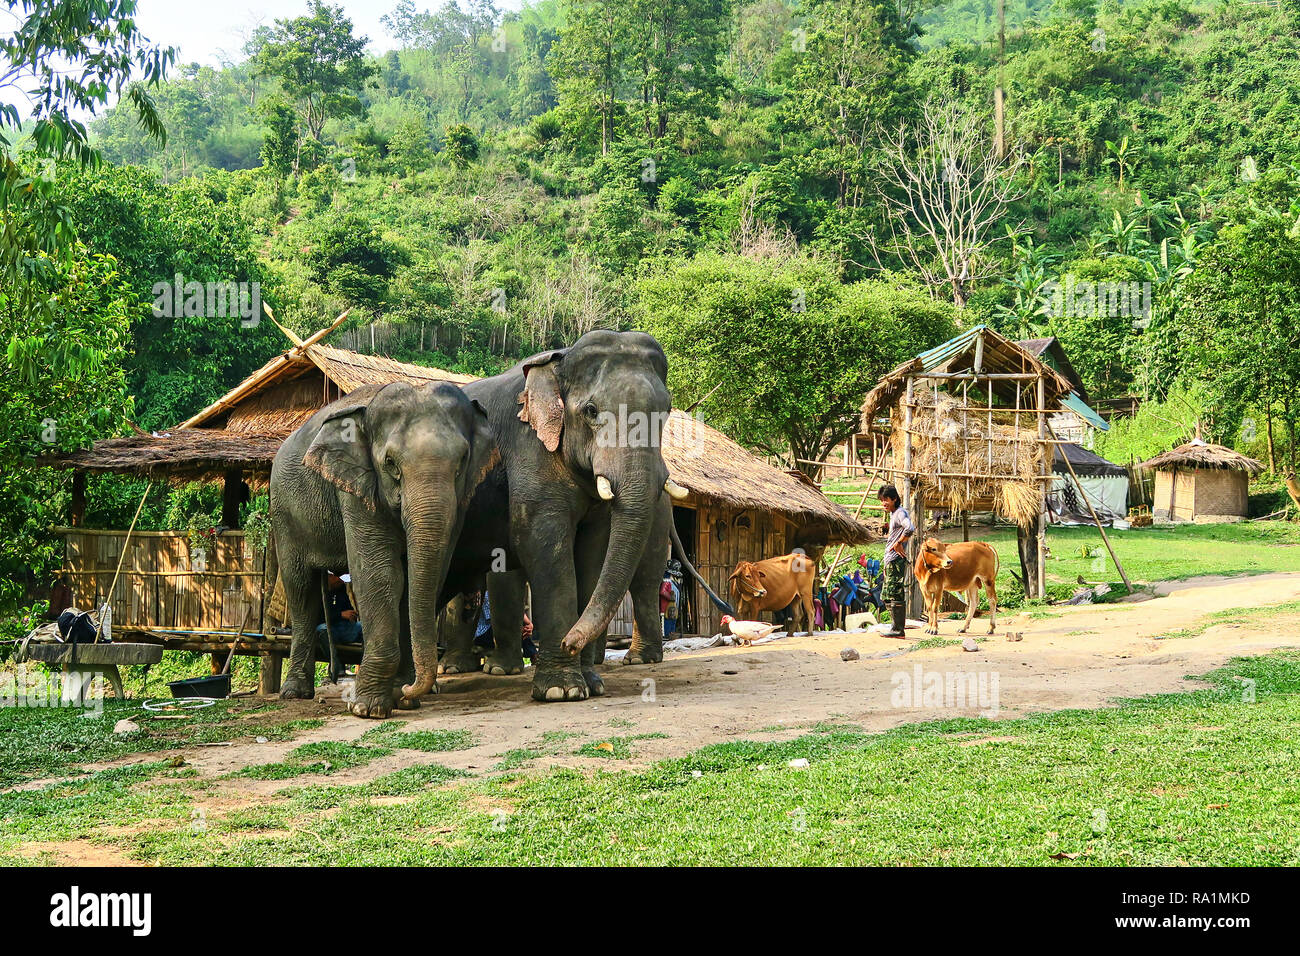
pixel 603 489
pixel 675 490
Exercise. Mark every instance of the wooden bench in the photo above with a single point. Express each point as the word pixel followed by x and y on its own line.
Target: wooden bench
pixel 86 661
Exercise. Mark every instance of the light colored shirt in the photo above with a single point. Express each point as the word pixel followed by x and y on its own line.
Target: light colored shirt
pixel 900 525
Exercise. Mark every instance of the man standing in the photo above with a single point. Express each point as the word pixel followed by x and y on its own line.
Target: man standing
pixel 901 529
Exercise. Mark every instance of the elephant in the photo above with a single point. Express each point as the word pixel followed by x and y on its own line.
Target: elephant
pixel 506 591
pixel 379 482
pixel 589 512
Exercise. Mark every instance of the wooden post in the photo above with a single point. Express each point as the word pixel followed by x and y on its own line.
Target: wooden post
pixel 234 494
pixel 78 499
pixel 907 444
pixel 268 680
pixel 965 525
pixel 1045 469
pixel 915 600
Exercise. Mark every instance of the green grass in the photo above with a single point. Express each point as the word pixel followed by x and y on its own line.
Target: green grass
pixel 615 748
pixel 550 743
pixel 389 734
pixel 45 742
pixel 1207 776
pixel 324 757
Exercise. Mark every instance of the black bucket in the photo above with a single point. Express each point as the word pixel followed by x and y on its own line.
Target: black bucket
pixel 217 686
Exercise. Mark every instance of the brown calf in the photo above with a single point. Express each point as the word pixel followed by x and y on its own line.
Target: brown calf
pixel 771 584
pixel 963 566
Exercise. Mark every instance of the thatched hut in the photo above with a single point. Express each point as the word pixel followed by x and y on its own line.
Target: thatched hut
pixel 1201 482
pixel 968 428
pixel 739 507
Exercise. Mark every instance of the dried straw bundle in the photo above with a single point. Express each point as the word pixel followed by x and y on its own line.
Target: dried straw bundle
pixel 949 441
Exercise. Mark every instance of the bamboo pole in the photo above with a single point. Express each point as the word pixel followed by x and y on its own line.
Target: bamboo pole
pixel 1104 539
pixel 108 599
pixel 1045 468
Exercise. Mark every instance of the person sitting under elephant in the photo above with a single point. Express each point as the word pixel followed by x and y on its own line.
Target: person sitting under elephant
pixel 344 623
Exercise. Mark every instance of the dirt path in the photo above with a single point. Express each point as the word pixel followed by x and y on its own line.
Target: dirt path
pixel 1081 657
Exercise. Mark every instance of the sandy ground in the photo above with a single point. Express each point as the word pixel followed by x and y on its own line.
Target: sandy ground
pixel 1082 657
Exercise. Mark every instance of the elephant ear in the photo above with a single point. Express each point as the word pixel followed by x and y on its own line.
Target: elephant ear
pixel 484 454
pixel 340 453
pixel 543 407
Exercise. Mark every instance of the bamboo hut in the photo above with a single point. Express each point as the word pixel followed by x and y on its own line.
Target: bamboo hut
pixel 968 425
pixel 1202 483
pixel 739 507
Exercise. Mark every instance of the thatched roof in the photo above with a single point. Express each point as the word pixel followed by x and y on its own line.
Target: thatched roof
pixel 995 354
pixel 712 466
pixel 1051 351
pixel 351 370
pixel 1200 454
pixel 245 427
pixel 186 454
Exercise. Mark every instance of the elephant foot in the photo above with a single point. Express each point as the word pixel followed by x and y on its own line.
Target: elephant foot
pixel 298 688
pixel 376 706
pixel 595 686
pixel 463 662
pixel 559 683
pixel 492 664
pixel 644 655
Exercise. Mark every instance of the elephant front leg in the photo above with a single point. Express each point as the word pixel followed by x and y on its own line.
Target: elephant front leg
pixel 506 598
pixel 648 627
pixel 379 603
pixel 459 655
pixel 545 546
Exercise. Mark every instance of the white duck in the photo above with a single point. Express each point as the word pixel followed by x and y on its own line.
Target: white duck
pixel 747 632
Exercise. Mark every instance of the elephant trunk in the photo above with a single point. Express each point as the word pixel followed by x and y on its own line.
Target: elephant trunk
pixel 429 544
pixel 633 506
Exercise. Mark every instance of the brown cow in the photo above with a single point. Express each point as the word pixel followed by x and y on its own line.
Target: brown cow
pixel 771 584
pixel 962 566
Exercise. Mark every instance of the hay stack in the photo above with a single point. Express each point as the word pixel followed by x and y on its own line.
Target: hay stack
pixel 946 440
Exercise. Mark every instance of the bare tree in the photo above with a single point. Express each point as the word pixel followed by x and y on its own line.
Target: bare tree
pixel 944 190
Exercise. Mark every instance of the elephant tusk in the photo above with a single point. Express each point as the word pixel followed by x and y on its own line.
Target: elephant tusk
pixel 675 490
pixel 603 489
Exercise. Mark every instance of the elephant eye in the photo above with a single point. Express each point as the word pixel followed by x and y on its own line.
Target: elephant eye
pixel 591 411
pixel 393 470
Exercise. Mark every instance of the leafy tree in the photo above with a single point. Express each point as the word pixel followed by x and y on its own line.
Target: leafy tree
pixel 588 62
pixel 68 57
pixel 461 145
pixel 1242 325
pixel 351 258
pixel 321 65
pixel 57 406
pixel 790 351
pixel 409 148
pixel 178 362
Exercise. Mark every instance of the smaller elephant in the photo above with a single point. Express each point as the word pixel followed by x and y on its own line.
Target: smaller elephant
pixel 378 482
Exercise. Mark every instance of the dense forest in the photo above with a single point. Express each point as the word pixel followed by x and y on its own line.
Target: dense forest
pixel 793 195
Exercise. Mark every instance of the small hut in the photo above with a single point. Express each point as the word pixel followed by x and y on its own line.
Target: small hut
pixel 1201 482
pixel 967 425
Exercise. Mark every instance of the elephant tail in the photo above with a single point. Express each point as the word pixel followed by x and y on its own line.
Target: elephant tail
pixel 720 604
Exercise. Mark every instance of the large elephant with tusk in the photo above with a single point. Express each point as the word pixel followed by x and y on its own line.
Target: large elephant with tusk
pixel 579 433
